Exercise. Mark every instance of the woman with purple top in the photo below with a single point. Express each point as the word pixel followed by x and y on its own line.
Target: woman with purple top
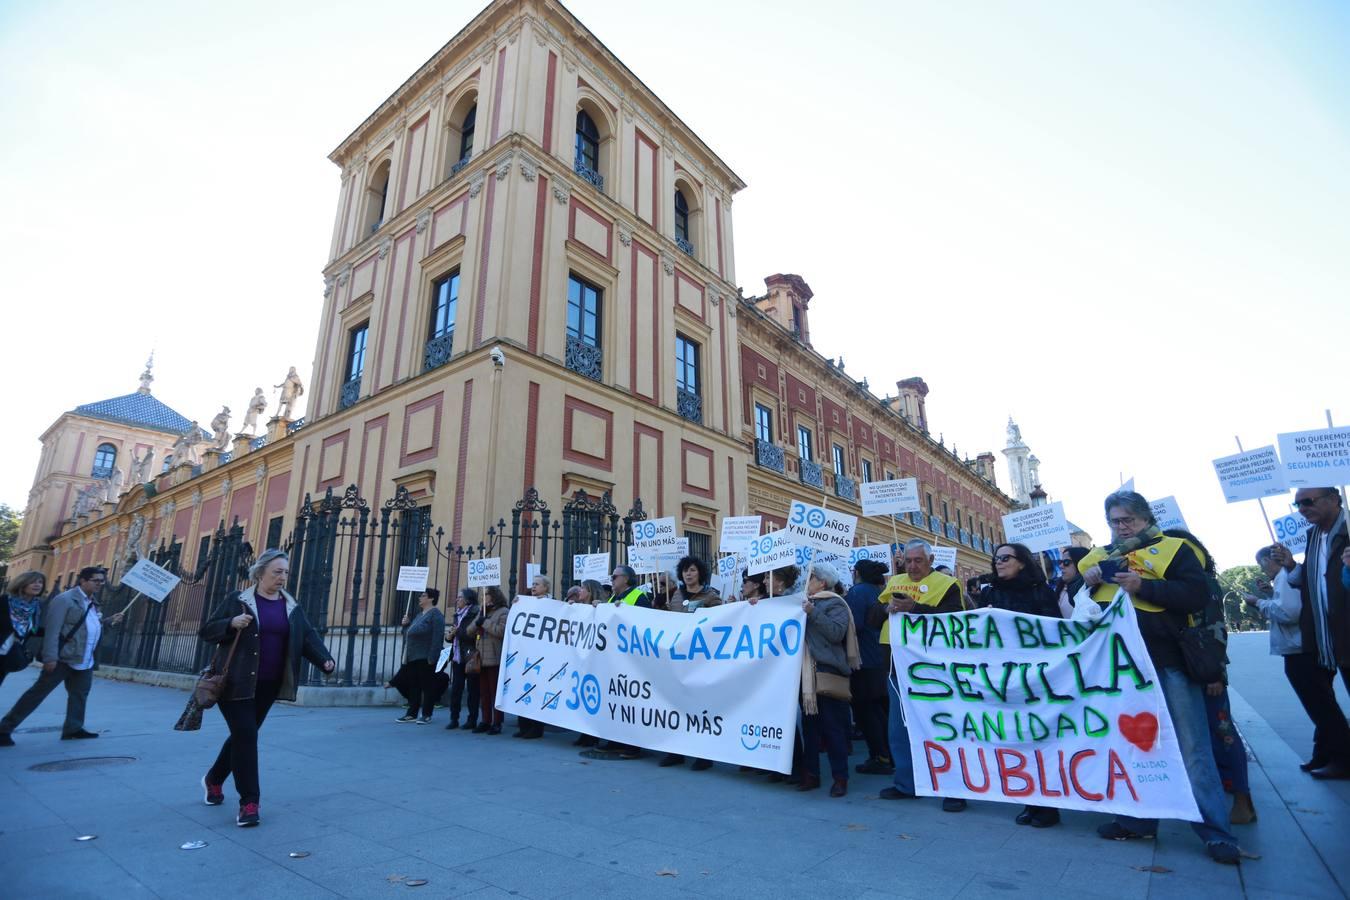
pixel 274 635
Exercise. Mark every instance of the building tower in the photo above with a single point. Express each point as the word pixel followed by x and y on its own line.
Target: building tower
pixel 1020 476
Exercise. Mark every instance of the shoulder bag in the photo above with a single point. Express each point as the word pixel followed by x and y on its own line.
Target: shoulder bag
pixel 211 683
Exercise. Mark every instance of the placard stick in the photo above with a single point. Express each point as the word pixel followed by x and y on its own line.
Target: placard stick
pixel 134 598
pixel 1343 493
pixel 1260 500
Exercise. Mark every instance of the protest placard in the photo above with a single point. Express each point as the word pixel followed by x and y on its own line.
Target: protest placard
pixel 880 553
pixel 531 570
pixel 412 578
pixel 1250 475
pixel 151 580
pixel 727 576
pixel 590 566
pixel 824 529
pixel 668 555
pixel 738 532
pixel 1168 513
pixel 1319 458
pixel 945 556
pixel 1028 709
pixel 485 572
pixel 1039 528
pixel 771 551
pixel 884 498
pixel 644 560
pixel 721 685
pixel 654 532
pixel 1291 530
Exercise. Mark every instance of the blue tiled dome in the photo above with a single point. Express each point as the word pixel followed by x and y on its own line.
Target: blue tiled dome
pixel 140 410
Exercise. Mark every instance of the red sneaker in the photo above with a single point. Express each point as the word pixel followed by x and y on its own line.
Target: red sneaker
pixel 215 793
pixel 248 815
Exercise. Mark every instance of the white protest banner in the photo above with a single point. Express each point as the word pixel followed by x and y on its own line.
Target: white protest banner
pixel 590 566
pixel 151 580
pixel 883 498
pixel 1039 528
pixel 772 551
pixel 412 578
pixel 945 556
pixel 654 532
pixel 721 685
pixel 1028 709
pixel 1168 513
pixel 485 572
pixel 880 553
pixel 1318 458
pixel 1250 475
pixel 738 532
pixel 1292 531
pixel 644 560
pixel 816 526
pixel 668 555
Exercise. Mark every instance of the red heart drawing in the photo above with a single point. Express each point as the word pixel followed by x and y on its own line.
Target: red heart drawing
pixel 1140 730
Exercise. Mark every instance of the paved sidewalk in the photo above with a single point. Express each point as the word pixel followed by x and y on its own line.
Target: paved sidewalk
pixel 374 803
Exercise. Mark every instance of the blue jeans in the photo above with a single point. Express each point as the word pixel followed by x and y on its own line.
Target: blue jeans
pixel 1230 755
pixel 898 737
pixel 1186 704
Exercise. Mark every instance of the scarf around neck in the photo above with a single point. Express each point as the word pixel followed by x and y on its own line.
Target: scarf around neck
pixel 1129 545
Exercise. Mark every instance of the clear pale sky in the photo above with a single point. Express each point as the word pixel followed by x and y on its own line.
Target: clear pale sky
pixel 1123 224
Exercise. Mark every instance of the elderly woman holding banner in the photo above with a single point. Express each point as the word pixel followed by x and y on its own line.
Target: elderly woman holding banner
pixel 832 645
pixel 1166 583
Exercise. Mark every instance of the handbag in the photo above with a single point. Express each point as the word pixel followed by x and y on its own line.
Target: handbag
pixel 16 658
pixel 211 683
pixel 831 685
pixel 1203 652
pixel 473 663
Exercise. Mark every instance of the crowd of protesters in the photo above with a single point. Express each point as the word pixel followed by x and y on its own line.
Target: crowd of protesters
pixel 849 689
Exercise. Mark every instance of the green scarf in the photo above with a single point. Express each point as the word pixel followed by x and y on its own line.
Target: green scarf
pixel 1129 545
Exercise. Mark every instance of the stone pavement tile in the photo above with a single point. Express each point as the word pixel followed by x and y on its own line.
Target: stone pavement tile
pixel 1096 878
pixel 985 887
pixel 179 873
pixel 648 855
pixel 580 810
pixel 568 839
pixel 23 810
pixel 503 820
pixel 673 829
pixel 453 846
pixel 334 849
pixel 282 823
pixel 902 871
pixel 1171 886
pixel 150 828
pixel 340 804
pixel 620 886
pixel 391 822
pixel 386 878
pixel 536 873
pixel 18 842
pixel 1043 866
pixel 83 873
pixel 792 849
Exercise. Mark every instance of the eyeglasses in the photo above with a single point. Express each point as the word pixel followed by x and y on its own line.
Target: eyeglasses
pixel 1004 557
pixel 1306 502
pixel 1123 521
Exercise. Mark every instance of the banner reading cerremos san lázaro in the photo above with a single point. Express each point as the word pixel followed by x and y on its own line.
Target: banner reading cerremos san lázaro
pixel 719 683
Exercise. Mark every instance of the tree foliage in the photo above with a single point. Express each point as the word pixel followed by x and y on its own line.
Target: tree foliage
pixel 1239 583
pixel 10 520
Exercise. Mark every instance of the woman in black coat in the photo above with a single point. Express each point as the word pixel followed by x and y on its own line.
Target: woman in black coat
pixel 1019 587
pixel 274 635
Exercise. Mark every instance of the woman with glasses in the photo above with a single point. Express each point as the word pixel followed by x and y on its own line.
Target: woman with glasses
pixel 1070 580
pixel 1166 584
pixel 19 620
pixel 1019 587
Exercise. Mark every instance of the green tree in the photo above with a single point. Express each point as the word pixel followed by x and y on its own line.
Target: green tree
pixel 9 531
pixel 1238 583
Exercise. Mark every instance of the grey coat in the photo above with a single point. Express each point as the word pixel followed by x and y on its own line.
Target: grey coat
pixel 65 615
pixel 827 633
pixel 425 636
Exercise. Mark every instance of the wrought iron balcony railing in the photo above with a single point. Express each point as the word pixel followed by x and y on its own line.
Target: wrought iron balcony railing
pixel 689 405
pixel 845 488
pixel 351 392
pixel 770 456
pixel 437 351
pixel 459 166
pixel 584 359
pixel 684 245
pixel 590 174
pixel 812 475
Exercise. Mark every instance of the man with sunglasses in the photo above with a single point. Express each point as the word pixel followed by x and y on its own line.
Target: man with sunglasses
pixel 1324 623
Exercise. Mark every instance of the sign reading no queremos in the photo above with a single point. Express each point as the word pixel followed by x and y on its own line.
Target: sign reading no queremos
pixel 1039 528
pixel 1048 712
pixel 721 684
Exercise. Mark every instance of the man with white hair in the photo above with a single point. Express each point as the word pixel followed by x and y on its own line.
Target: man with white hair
pixel 919 590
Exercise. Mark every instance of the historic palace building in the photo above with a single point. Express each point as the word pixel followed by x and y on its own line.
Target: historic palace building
pixel 531 285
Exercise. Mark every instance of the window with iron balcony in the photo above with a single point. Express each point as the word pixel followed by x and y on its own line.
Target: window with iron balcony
pixel 688 393
pixel 356 365
pixel 584 355
pixel 587 162
pixel 441 339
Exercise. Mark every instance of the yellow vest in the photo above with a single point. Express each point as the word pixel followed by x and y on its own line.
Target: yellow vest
pixel 927 592
pixel 1149 563
pixel 631 598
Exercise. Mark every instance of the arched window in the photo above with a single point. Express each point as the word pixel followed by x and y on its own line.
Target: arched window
pixel 105 458
pixel 681 217
pixel 466 133
pixel 588 149
pixel 377 196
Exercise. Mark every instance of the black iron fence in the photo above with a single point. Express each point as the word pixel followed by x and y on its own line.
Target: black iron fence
pixel 345 560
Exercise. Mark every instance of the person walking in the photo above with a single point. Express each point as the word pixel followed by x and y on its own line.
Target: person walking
pixel 868 683
pixel 462 648
pixel 489 628
pixel 831 657
pixel 19 617
pixel 1324 624
pixel 1019 586
pixel 274 636
pixel 421 649
pixel 71 630
pixel 1166 583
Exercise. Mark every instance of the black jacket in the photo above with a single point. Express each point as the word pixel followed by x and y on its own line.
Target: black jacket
pixel 1021 595
pixel 242 682
pixel 1338 615
pixel 1182 591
